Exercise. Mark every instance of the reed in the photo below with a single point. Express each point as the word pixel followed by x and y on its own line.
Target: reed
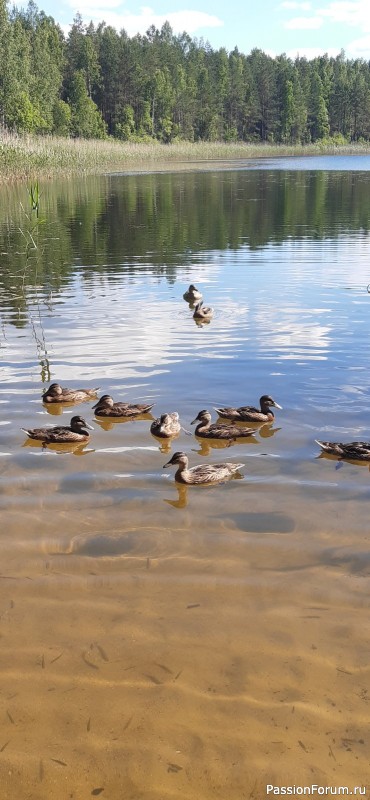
pixel 32 157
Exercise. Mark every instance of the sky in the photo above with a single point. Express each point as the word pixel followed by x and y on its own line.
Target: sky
pixel 305 27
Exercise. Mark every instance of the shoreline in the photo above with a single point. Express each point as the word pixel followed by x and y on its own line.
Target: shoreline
pixel 24 158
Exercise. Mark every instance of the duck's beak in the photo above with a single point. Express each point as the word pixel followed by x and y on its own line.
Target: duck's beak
pixel 90 427
pixel 277 406
pixel 194 421
pixel 96 405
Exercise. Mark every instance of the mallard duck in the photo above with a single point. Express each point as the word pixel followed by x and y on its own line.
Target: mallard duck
pixel 166 425
pixel 76 432
pixel 203 473
pixel 105 407
pixel 356 451
pixel 56 394
pixel 217 430
pixel 202 312
pixel 192 294
pixel 250 413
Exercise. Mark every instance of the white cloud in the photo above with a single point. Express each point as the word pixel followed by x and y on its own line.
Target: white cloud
pixel 345 12
pixel 186 20
pixel 303 23
pixel 359 48
pixel 292 5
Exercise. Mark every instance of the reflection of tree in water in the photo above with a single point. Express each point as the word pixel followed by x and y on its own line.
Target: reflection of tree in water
pixel 111 225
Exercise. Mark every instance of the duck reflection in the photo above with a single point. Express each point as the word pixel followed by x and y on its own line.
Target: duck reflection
pixel 56 409
pixel 73 448
pixel 108 423
pixel 182 498
pixel 206 445
pixel 267 430
pixel 165 444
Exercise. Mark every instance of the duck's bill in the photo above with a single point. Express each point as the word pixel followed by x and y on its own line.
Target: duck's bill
pixel 90 427
pixel 277 406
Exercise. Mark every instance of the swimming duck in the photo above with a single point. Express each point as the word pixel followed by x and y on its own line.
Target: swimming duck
pixel 192 294
pixel 217 430
pixel 56 394
pixel 250 413
pixel 203 473
pixel 356 451
pixel 202 312
pixel 105 407
pixel 166 425
pixel 76 432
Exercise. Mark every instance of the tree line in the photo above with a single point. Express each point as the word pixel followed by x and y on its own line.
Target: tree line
pixel 97 82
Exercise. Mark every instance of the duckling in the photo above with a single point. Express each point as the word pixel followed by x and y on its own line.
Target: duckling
pixel 56 394
pixel 76 432
pixel 250 413
pixel 192 294
pixel 203 473
pixel 105 407
pixel 166 425
pixel 356 451
pixel 202 312
pixel 218 431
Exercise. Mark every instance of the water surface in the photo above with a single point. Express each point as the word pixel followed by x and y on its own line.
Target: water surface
pixel 161 641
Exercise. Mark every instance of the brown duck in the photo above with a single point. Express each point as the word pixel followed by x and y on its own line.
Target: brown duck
pixel 57 394
pixel 75 432
pixel 203 473
pixel 218 430
pixel 106 407
pixel 166 425
pixel 250 413
pixel 356 451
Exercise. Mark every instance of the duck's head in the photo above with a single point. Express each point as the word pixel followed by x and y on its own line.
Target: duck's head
pixel 177 458
pixel 105 400
pixel 203 416
pixel 192 288
pixel 54 388
pixel 266 400
pixel 77 423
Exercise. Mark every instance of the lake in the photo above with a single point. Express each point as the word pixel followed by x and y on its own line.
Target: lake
pixel 160 641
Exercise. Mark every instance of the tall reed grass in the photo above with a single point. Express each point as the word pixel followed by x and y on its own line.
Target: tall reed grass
pixel 29 157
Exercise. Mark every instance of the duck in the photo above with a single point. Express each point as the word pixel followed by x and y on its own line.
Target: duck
pixel 202 312
pixel 250 413
pixel 217 430
pixel 203 473
pixel 105 407
pixel 57 394
pixel 356 451
pixel 192 294
pixel 76 432
pixel 166 425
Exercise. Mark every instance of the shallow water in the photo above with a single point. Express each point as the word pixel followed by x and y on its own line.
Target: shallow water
pixel 162 641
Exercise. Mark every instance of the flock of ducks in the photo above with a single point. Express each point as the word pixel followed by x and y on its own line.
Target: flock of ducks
pixel 168 425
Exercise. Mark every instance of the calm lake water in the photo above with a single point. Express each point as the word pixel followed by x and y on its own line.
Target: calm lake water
pixel 159 641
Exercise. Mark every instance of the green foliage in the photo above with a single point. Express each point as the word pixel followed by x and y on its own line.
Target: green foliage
pixel 98 82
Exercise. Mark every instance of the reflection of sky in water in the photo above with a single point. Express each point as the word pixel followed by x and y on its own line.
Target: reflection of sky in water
pixel 291 317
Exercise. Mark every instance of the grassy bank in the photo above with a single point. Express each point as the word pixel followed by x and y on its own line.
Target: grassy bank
pixel 31 157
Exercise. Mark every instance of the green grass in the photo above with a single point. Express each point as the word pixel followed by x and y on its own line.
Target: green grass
pixel 32 157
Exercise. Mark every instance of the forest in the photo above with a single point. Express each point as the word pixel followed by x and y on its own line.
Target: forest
pixel 98 83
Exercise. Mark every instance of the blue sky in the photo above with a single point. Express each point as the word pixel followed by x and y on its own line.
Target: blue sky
pixel 307 27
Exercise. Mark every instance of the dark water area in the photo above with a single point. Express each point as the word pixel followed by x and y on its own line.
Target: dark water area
pixel 161 640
